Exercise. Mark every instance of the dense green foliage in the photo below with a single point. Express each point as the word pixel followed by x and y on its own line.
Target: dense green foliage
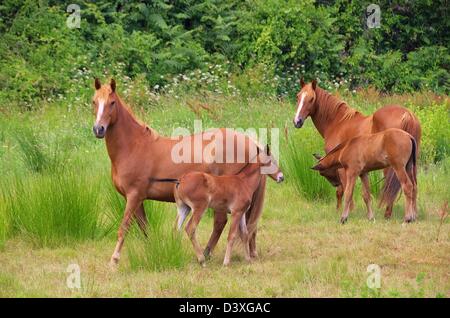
pixel 265 44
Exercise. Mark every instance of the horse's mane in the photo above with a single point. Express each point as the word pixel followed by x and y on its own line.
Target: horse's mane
pixel 330 105
pixel 137 120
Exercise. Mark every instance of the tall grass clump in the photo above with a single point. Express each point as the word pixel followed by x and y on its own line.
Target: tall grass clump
pixel 163 248
pixel 297 162
pixel 30 150
pixel 54 210
pixel 4 224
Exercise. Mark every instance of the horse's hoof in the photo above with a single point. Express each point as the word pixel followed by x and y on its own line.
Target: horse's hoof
pixel 202 261
pixel 343 220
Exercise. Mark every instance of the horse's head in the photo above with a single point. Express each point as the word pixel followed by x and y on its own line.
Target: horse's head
pixel 306 99
pixel 104 104
pixel 330 174
pixel 270 166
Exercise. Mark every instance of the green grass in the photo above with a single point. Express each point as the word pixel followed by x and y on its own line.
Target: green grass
pixel 67 211
pixel 163 248
pixel 53 210
pixel 297 161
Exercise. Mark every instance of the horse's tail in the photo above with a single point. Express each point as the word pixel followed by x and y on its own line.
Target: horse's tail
pixel 254 212
pixel 412 162
pixel 392 186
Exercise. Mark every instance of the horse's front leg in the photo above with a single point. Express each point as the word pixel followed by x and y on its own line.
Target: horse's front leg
pixel 366 195
pixel 348 195
pixel 133 202
pixel 341 188
pixel 141 218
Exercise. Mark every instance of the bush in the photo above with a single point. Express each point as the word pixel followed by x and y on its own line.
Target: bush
pixel 435 123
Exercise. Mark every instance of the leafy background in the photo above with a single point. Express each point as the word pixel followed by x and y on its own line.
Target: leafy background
pixel 261 45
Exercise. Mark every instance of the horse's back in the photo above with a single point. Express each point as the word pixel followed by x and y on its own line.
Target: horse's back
pixel 396 116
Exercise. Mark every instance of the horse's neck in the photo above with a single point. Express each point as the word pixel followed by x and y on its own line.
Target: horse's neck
pixel 251 174
pixel 122 136
pixel 330 111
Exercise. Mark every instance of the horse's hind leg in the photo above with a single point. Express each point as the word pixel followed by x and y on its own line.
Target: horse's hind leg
pixel 411 175
pixel 389 205
pixel 220 220
pixel 339 195
pixel 197 213
pixel 408 191
pixel 243 232
pixel 366 195
pixel 253 215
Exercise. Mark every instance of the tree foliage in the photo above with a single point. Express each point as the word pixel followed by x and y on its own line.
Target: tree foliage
pixel 329 39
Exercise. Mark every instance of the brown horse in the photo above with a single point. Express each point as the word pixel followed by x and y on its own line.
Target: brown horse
pixel 392 147
pixel 337 122
pixel 138 154
pixel 198 191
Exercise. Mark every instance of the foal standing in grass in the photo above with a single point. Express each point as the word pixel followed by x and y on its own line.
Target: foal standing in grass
pixel 393 148
pixel 198 191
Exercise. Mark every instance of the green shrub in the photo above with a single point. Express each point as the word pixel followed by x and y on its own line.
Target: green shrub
pixel 435 122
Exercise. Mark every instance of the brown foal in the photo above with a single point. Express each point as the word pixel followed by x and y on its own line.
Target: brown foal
pixel 393 148
pixel 198 191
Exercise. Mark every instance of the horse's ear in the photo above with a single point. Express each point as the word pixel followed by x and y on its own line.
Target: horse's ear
pixel 302 82
pixel 317 156
pixel 267 150
pixel 97 83
pixel 314 84
pixel 113 85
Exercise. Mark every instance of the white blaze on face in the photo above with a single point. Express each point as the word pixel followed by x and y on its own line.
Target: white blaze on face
pixel 300 106
pixel 101 107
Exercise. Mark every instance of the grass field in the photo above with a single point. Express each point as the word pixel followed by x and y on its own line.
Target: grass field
pixel 58 207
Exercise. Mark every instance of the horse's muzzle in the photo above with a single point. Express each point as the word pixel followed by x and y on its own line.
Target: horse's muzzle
pixel 298 122
pixel 99 131
pixel 280 177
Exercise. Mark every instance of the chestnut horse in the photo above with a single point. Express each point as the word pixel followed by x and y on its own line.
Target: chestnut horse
pixel 392 147
pixel 139 154
pixel 337 122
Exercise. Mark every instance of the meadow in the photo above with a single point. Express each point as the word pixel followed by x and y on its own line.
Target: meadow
pixel 58 207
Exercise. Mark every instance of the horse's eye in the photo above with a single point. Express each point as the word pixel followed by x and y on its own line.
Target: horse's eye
pixel 113 103
pixel 93 102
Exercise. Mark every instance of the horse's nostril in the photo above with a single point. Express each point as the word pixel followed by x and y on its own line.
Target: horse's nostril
pixel 101 130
